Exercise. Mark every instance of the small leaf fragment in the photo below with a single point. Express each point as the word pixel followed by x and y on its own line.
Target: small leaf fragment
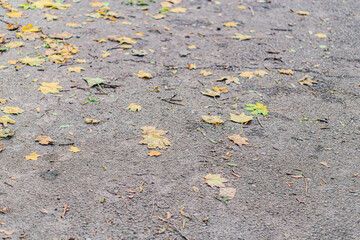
pixel 154 154
pixel 134 107
pixel 142 74
pixel 206 73
pixel 287 72
pixel 92 121
pixel 74 149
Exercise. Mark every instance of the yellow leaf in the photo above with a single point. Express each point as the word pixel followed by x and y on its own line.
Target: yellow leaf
pixel 30 28
pixel 191 47
pixel 158 16
pixel 96 4
pixel 92 121
pixel 230 24
pixel 247 74
pixel 32 61
pixel 122 40
pixel 41 4
pixel 103 40
pixel 229 79
pixel 320 35
pixel 3 67
pixel 153 138
pixel 74 149
pixel 4 120
pixel 191 66
pixel 307 80
pixel 50 17
pixel 237 139
pixel 14 44
pixel 302 13
pixel 241 37
pixel 210 93
pixel 287 72
pixel 242 118
pixel 80 61
pixel 12 110
pixel 52 87
pixel 165 4
pixel 220 89
pixel 242 7
pixel 105 54
pixel 154 153
pixel 206 73
pixel 3 101
pixel 64 35
pixel 44 140
pixel 14 14
pixel 214 180
pixel 75 69
pixel 178 10
pixel 142 74
pixel 260 73
pixel 74 25
pixel 32 156
pixel 212 119
pixel 134 107
pixel 325 164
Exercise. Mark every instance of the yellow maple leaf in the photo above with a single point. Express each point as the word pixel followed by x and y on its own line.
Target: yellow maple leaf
pixel 237 139
pixel 32 61
pixel 242 118
pixel 4 120
pixel 32 156
pixel 320 35
pixel 14 44
pixel 247 74
pixel 215 180
pixel 74 149
pixel 212 119
pixel 152 130
pixel 177 10
pixel 134 107
pixel 142 74
pixel 12 110
pixel 103 40
pixel 152 137
pixel 154 154
pixel 230 24
pixel 63 35
pixel 205 73
pixel 52 87
pixel 76 69
pixel 44 140
pixel 14 14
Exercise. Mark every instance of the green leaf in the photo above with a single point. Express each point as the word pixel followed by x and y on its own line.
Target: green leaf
pixel 93 81
pixel 257 108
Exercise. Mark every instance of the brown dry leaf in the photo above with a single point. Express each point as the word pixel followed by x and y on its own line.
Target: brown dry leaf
pixel 33 156
pixel 230 24
pixel 154 154
pixel 165 4
pixel 304 13
pixel 80 61
pixel 142 74
pixel 227 192
pixel 44 140
pixel 287 72
pixel 153 138
pixel 52 87
pixel 212 119
pixel 237 139
pixel 12 110
pixel 214 180
pixel 247 74
pixel 242 118
pixel 206 73
pixel 229 79
pixel 4 120
pixel 74 149
pixel 307 80
pixel 325 164
pixel 134 107
pixel 92 121
pixel 241 37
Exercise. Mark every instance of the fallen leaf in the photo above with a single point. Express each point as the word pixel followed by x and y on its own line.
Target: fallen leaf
pixel 74 149
pixel 50 17
pixel 206 73
pixel 260 73
pixel 242 118
pixel 74 25
pixel 92 121
pixel 229 80
pixel 303 13
pixel 142 74
pixel 44 140
pixel 105 54
pixel 80 61
pixel 14 14
pixel 5 133
pixel 239 140
pixel 325 164
pixel 96 4
pixel 212 119
pixel 177 10
pixel 320 35
pixel 192 47
pixel 3 101
pixel 14 44
pixel 122 40
pixel 93 81
pixel 4 120
pixel 12 110
pixel 287 72
pixel 3 67
pixel 154 153
pixel 220 89
pixel 214 180
pixel 227 192
pixel 257 108
pixel 307 80
pixel 247 74
pixel 32 156
pixel 209 92
pixel 31 61
pixel 242 7
pixel 30 28
pixel 230 24
pixel 191 66
pixel 134 107
pixel 76 69
pixel 241 37
pixel 63 35
pixel 52 87
pixel 153 138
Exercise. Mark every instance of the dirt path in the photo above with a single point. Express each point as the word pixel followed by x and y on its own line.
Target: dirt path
pixel 295 168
